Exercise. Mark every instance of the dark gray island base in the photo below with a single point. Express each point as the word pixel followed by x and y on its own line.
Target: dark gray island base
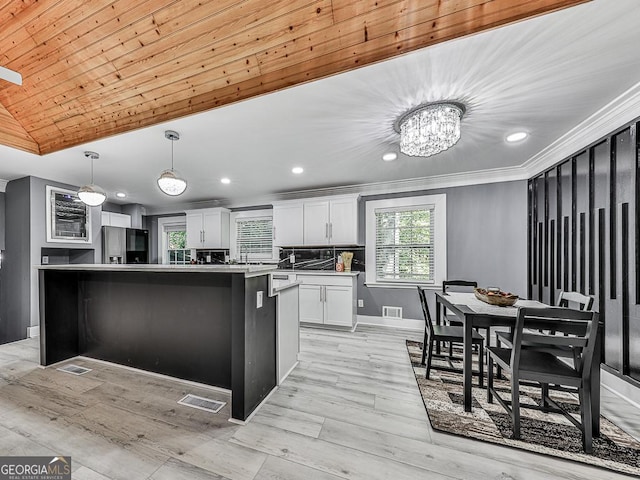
pixel 195 323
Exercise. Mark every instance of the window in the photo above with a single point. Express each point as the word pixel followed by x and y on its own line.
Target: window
pixel 406 240
pixel 172 241
pixel 404 244
pixel 252 236
pixel 177 253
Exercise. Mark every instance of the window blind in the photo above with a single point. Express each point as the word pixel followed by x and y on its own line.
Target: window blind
pixel 405 244
pixel 254 238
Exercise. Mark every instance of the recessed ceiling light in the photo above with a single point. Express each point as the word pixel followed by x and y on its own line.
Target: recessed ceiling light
pixel 225 180
pixel 517 136
pixel 297 170
pixel 389 156
pixel 121 194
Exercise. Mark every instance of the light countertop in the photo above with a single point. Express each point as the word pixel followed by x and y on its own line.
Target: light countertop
pixel 250 270
pixel 318 272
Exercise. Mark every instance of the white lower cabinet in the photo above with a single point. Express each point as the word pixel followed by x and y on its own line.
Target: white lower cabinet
pixel 327 299
pixel 311 303
pixel 338 305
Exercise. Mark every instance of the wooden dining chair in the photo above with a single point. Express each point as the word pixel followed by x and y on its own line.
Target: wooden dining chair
pixel 539 365
pixel 446 333
pixel 461 285
pixel 449 317
pixel 575 300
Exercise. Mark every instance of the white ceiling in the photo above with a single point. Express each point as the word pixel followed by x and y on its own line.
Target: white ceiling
pixel 544 75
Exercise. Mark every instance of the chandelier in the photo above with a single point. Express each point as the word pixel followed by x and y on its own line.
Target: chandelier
pixel 170 181
pixel 92 194
pixel 429 128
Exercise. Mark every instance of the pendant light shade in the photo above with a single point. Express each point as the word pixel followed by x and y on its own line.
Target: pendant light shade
pixel 170 181
pixel 92 194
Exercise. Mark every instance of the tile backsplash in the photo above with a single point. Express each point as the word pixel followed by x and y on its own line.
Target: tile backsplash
pixel 320 258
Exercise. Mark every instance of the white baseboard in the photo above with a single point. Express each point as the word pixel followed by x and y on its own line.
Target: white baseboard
pixel 33 331
pixel 288 372
pixel 404 323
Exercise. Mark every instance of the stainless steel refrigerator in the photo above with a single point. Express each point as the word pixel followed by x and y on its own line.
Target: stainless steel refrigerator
pixel 125 245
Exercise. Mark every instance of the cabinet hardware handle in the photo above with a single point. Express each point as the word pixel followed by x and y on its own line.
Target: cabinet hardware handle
pixel 274 233
pixel 330 230
pixel 326 230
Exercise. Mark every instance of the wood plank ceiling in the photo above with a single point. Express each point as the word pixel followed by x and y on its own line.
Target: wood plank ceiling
pixel 97 68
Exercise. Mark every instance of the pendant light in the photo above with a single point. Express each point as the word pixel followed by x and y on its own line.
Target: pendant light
pixel 170 181
pixel 92 194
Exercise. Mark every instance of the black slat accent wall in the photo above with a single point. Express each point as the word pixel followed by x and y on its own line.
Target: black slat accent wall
pixel 584 235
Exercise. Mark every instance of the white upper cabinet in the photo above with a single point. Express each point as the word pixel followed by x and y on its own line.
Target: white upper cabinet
pixel 343 221
pixel 288 224
pixel 112 219
pixel 208 228
pixel 316 221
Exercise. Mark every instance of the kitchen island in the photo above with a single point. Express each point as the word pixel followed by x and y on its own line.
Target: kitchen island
pixel 214 325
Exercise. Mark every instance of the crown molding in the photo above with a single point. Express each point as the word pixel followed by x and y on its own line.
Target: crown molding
pixel 620 111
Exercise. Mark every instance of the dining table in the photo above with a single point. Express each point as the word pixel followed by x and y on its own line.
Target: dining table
pixel 474 313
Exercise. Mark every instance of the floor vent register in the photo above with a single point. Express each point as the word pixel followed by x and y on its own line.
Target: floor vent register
pixel 74 369
pixel 201 403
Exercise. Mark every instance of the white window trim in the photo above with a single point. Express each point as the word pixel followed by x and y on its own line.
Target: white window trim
pixel 162 238
pixel 440 243
pixel 233 232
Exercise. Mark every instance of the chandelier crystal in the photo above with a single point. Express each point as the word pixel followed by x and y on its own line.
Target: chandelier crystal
pixel 92 194
pixel 429 129
pixel 170 181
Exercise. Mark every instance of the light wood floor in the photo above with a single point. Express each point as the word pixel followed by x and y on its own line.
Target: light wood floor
pixel 350 410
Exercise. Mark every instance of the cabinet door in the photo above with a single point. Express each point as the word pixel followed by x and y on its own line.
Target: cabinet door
pixel 316 223
pixel 194 230
pixel 211 231
pixel 343 222
pixel 120 220
pixel 311 303
pixel 288 225
pixel 338 305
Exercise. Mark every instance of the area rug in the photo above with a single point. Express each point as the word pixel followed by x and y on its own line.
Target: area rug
pixel 545 433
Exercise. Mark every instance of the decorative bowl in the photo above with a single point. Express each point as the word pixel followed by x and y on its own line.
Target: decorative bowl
pixel 493 297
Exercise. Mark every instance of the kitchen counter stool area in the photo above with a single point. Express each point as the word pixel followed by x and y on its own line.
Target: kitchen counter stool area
pixel 216 327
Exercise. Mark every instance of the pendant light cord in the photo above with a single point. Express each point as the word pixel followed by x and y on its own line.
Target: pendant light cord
pixel 172 140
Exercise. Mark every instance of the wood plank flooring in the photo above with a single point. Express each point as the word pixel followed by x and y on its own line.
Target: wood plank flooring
pixel 350 410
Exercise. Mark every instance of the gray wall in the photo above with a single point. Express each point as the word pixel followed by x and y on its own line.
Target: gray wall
pixel 2 219
pixel 111 207
pixel 15 286
pixel 486 242
pixel 38 236
pixel 25 236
